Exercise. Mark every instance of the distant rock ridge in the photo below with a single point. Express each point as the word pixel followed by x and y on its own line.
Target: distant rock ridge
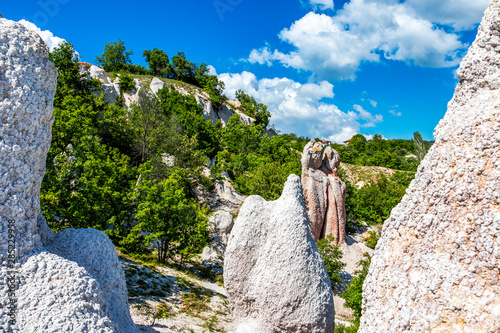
pixel 65 282
pixel 436 266
pixel 111 91
pixel 324 192
pixel 273 273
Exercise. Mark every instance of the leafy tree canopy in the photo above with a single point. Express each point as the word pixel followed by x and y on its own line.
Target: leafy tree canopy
pixel 115 56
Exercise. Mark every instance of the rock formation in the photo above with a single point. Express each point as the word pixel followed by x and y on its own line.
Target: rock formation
pixel 273 272
pixel 436 266
pixel 220 225
pixel 324 192
pixel 66 282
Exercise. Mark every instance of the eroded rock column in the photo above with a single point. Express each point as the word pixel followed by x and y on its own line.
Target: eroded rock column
pixel 273 273
pixel 324 192
pixel 436 266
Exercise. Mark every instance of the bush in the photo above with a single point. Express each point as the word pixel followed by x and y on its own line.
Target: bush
pixel 331 255
pixel 353 294
pixel 126 82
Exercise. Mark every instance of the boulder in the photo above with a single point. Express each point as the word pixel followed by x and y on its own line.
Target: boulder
pixel 436 265
pixel 221 223
pixel 65 282
pixel 99 74
pixel 156 85
pixel 324 192
pixel 273 272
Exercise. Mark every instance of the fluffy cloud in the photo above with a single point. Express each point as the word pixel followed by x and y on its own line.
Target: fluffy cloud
pixel 369 31
pixel 460 14
pixel 319 4
pixel 297 108
pixel 47 36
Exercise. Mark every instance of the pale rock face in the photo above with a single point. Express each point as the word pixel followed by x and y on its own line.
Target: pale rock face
pixel 132 97
pixel 99 74
pixel 273 272
pixel 324 192
pixel 73 276
pixel 436 266
pixel 110 90
pixel 156 85
pixel 221 223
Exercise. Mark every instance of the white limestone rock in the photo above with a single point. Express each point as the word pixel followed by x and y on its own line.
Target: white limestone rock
pixel 221 223
pixel 157 85
pixel 66 282
pixel 436 266
pixel 99 74
pixel 273 272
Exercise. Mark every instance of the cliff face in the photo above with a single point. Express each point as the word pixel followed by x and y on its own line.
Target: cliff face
pixel 436 267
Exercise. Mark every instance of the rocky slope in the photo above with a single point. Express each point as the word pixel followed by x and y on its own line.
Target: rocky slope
pixel 436 267
pixel 111 90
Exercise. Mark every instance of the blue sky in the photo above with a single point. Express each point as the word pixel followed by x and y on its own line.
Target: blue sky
pixel 327 69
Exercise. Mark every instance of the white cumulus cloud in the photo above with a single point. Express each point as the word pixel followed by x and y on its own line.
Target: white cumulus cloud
pixel 47 36
pixel 297 107
pixel 336 45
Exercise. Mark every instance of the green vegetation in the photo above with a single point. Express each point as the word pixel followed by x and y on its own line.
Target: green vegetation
pixel 253 109
pixel 331 255
pixel 373 202
pixel 105 168
pixel 353 294
pixel 395 154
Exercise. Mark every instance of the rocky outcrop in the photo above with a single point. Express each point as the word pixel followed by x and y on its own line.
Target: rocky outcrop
pixel 273 272
pixel 70 281
pixel 436 266
pixel 157 85
pixel 220 225
pixel 324 192
pixel 223 197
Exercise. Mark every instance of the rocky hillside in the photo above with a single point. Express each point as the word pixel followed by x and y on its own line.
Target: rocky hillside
pixel 110 87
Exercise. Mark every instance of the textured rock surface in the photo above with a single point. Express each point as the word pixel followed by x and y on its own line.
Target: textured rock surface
pixel 273 273
pixel 156 85
pixel 324 192
pixel 220 225
pixel 79 287
pixel 436 266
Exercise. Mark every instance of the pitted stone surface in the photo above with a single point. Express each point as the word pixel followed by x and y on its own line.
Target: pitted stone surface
pixel 65 282
pixel 273 272
pixel 436 266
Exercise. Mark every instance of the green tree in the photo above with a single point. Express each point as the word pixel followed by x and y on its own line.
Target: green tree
pixel 115 56
pixel 419 145
pixel 176 226
pixel 126 82
pixel 148 123
pixel 70 81
pixel 87 186
pixel 331 255
pixel 182 69
pixel 159 64
pixel 253 109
